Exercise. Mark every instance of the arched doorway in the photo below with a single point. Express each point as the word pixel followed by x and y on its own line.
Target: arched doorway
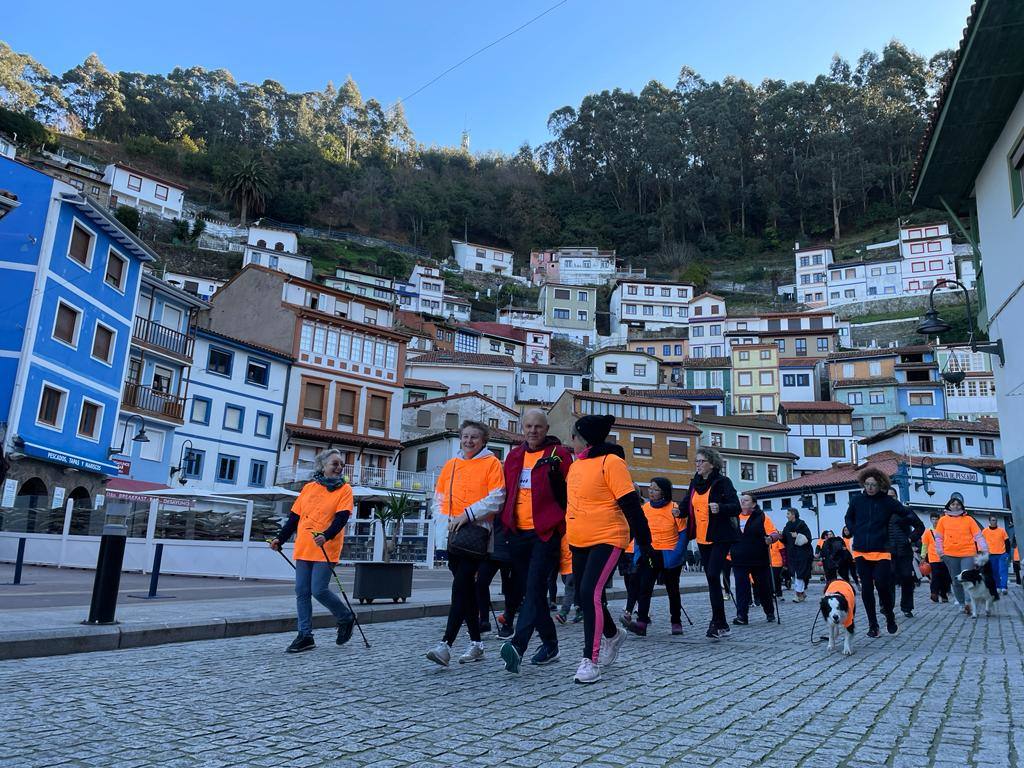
pixel 32 498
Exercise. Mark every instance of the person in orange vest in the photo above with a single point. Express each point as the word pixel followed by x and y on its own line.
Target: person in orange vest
pixel 324 505
pixel 570 598
pixel 663 518
pixel 957 540
pixel 470 491
pixel 1016 561
pixel 712 520
pixel 775 552
pixel 939 580
pixel 998 560
pixel 603 514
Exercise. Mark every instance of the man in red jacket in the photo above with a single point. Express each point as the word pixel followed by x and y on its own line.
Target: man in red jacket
pixel 534 514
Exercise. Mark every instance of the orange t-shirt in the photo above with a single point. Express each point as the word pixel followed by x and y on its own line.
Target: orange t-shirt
pixel 929 541
pixel 664 525
pixel 524 497
pixel 316 508
pixel 565 559
pixel 872 557
pixel 464 482
pixel 593 487
pixel 848 541
pixel 997 540
pixel 1016 555
pixel 775 553
pixel 843 588
pixel 701 514
pixel 957 533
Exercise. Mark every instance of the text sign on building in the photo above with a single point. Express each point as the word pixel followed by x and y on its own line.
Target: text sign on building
pixel 955 475
pixel 124 466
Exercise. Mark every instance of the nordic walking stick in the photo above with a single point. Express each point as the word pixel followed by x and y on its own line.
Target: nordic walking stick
pixel 338 581
pixel 683 609
pixel 282 554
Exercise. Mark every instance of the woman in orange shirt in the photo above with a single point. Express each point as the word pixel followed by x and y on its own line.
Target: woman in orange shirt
pixel 603 515
pixel 938 581
pixel 998 552
pixel 712 520
pixel 324 506
pixel 470 491
pixel 957 540
pixel 664 521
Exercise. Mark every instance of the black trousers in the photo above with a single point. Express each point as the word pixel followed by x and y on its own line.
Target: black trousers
pixel 1016 570
pixel 533 561
pixel 777 579
pixel 761 575
pixel 484 577
pixel 875 575
pixel 463 607
pixel 591 568
pixel 712 557
pixel 939 581
pixel 647 575
pixel 842 571
pixel 903 577
pixel 726 574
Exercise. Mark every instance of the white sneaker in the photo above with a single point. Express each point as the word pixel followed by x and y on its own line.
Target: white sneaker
pixel 475 652
pixel 587 672
pixel 610 648
pixel 440 654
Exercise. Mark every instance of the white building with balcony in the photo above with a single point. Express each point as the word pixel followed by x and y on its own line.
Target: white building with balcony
pixel 812 275
pixel 613 370
pixel 197 285
pixel 649 304
pixel 973 398
pixel 707 326
pixel 276 249
pixel 423 291
pixel 145 191
pixel 472 257
pixel 940 439
pixel 361 283
pixel 462 372
pixel 927 252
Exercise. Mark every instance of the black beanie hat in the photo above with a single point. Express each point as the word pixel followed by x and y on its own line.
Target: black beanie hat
pixel 665 486
pixel 594 429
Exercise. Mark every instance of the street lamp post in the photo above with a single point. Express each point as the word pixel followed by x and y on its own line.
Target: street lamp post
pixel 932 324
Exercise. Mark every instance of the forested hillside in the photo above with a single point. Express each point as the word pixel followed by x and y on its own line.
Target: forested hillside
pixel 677 174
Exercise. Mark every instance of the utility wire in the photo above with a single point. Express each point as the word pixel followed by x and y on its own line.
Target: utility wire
pixel 481 50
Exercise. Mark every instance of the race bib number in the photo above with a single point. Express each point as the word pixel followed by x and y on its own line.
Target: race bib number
pixel 524 478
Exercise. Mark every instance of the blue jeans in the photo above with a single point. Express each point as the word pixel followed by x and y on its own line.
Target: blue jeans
pixel 1000 569
pixel 313 579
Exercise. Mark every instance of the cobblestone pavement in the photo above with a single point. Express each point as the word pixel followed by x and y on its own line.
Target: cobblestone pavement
pixel 946 692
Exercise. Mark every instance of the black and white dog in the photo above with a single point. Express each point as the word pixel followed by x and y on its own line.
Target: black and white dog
pixel 977 591
pixel 837 606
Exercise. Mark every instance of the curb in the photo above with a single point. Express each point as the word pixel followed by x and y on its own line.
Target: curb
pixel 81 638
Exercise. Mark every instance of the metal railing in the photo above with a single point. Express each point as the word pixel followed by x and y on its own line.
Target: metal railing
pixel 162 337
pixel 388 479
pixel 153 402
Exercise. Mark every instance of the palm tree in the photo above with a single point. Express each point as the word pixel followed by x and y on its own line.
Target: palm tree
pixel 247 184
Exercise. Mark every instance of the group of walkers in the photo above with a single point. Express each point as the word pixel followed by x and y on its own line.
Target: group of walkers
pixel 552 509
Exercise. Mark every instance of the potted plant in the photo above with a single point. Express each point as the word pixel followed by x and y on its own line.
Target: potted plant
pixel 384 579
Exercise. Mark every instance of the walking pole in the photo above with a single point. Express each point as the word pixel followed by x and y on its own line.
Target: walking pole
pixel 338 581
pixel 282 554
pixel 683 609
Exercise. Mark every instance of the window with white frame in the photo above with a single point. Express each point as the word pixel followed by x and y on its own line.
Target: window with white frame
pixel 81 245
pixel 103 343
pixel 116 275
pixel 52 402
pixel 67 324
pixel 90 419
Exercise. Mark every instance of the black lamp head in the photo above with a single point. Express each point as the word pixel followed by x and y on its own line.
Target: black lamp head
pixel 932 324
pixel 954 377
pixel 141 436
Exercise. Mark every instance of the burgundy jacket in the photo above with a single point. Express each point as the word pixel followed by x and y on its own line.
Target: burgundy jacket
pixel 548 515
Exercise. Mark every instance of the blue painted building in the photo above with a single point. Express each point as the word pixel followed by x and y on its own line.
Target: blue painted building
pixel 232 433
pixel 155 392
pixel 70 274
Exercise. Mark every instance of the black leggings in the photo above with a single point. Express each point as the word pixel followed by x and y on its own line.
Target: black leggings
pixel 777 579
pixel 463 607
pixel 762 589
pixel 875 575
pixel 940 582
pixel 902 575
pixel 647 575
pixel 712 557
pixel 591 568
pixel 509 588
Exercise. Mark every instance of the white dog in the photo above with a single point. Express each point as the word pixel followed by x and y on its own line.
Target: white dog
pixel 838 606
pixel 977 592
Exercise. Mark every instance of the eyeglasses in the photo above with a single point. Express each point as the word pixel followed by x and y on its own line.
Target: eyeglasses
pixel 701 461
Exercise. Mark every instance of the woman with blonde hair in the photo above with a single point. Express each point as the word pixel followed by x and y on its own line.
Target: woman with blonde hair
pixel 318 520
pixel 470 491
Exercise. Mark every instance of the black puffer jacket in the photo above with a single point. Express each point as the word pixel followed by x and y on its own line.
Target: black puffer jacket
pixel 750 548
pixel 868 518
pixel 799 557
pixel 902 536
pixel 723 528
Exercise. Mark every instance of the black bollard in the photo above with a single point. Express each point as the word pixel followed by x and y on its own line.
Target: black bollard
pixel 19 562
pixel 108 571
pixel 154 576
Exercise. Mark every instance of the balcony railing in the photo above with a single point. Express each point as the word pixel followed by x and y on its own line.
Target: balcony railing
pixel 153 402
pixel 163 338
pixel 388 479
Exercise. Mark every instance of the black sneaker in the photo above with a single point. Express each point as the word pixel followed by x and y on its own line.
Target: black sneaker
pixel 713 632
pixel 724 629
pixel 909 614
pixel 301 643
pixel 485 627
pixel 890 624
pixel 740 622
pixel 637 628
pixel 505 631
pixel 545 655
pixel 345 630
pixel 873 632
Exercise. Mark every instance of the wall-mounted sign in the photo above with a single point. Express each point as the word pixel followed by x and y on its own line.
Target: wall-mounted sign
pixel 10 492
pixel 124 466
pixel 70 460
pixel 58 497
pixel 954 475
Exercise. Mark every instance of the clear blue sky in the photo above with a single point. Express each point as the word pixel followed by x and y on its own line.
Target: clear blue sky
pixel 504 95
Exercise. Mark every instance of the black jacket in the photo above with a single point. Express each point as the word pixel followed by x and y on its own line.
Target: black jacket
pixel 868 518
pixel 834 554
pixel 750 548
pixel 799 557
pixel 723 528
pixel 903 534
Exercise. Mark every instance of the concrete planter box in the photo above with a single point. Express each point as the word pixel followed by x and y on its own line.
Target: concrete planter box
pixel 382 581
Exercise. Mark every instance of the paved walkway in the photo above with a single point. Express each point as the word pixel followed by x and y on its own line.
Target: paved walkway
pixel 946 692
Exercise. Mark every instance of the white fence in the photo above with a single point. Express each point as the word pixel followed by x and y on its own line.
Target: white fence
pixel 202 536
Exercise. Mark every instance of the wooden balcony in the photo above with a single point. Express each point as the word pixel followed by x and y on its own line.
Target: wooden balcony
pixel 150 402
pixel 163 339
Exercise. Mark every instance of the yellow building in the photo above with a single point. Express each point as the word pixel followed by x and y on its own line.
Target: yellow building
pixel 755 379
